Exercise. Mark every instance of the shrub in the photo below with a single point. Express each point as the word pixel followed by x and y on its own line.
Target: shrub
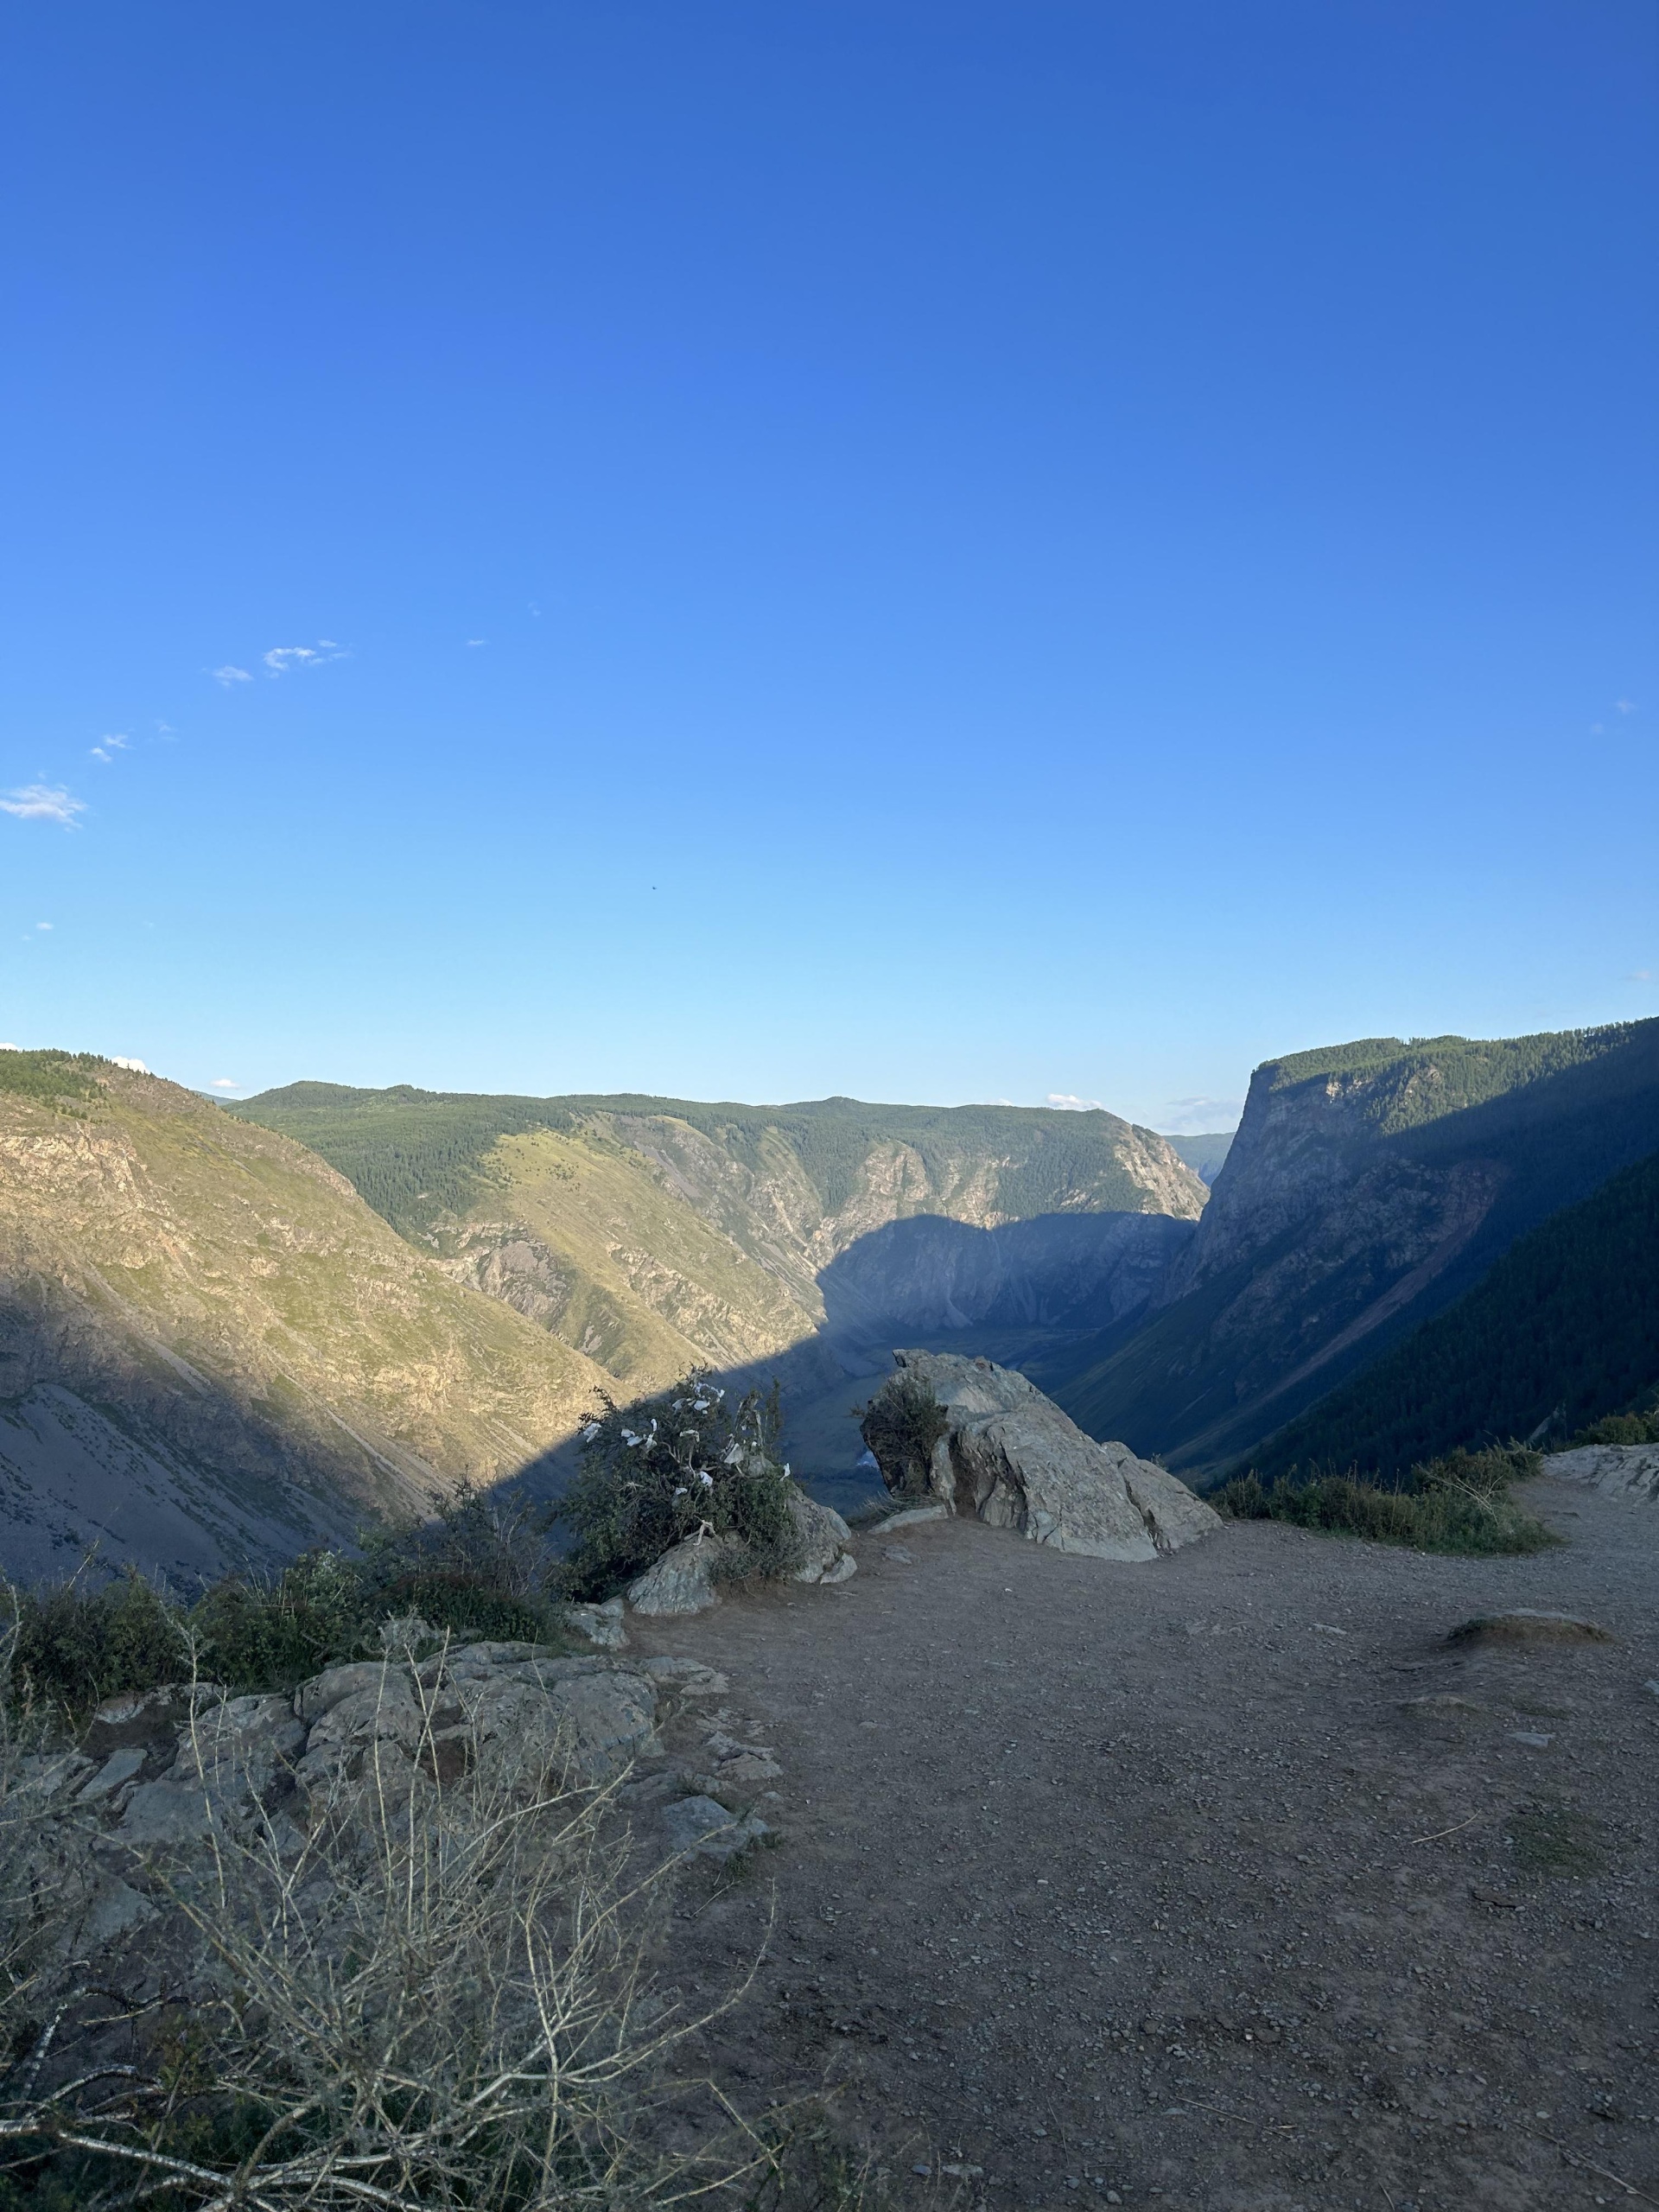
pixel 901 1425
pixel 75 1645
pixel 1457 1503
pixel 272 1635
pixel 478 1569
pixel 482 1568
pixel 1619 1428
pixel 664 1468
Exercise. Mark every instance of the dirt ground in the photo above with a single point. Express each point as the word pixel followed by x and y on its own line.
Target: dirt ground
pixel 1112 1884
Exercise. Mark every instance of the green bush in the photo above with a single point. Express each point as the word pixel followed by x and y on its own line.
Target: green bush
pixel 478 1569
pixel 660 1470
pixel 1457 1503
pixel 272 1635
pixel 76 1645
pixel 1619 1428
pixel 901 1425
pixel 482 1568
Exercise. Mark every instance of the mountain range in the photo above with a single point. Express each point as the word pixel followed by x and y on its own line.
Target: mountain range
pixel 228 1333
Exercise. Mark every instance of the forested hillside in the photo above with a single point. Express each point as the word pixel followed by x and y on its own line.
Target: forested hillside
pixel 1564 1329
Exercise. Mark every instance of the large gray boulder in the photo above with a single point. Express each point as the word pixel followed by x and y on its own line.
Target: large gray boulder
pixel 1013 1459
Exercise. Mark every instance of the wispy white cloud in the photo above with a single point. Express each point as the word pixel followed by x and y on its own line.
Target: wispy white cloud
pixel 229 674
pixel 1199 1117
pixel 1640 975
pixel 1624 706
pixel 281 659
pixel 107 747
pixel 478 641
pixel 133 1067
pixel 1068 1103
pixel 42 925
pixel 43 803
pixel 224 1083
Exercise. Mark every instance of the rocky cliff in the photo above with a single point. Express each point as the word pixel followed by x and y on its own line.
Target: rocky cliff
pixel 1369 1185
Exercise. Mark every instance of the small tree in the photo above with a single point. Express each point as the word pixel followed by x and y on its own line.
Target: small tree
pixel 901 1425
pixel 688 1463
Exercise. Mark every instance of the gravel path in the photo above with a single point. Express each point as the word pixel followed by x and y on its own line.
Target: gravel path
pixel 1132 1884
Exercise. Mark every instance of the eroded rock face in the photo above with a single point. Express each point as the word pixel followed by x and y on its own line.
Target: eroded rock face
pixel 1012 1457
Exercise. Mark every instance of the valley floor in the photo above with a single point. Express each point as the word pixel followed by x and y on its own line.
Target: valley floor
pixel 1135 1883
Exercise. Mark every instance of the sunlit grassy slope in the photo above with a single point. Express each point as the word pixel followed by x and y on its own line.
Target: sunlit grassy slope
pixel 224 1295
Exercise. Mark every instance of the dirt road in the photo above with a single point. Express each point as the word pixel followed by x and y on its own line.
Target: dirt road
pixel 1136 1884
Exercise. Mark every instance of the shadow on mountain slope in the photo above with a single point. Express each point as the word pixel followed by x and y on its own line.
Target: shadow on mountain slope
pixel 1323 1247
pixel 1021 1293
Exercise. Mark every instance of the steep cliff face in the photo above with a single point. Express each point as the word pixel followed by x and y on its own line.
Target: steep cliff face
pixel 1368 1186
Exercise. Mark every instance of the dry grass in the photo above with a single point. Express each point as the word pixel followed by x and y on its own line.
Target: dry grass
pixel 414 1994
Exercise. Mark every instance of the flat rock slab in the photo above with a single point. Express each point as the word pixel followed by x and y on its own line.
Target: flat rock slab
pixel 1526 1626
pixel 1626 1470
pixel 704 1827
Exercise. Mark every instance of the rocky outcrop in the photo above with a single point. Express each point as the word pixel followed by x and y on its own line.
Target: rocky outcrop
pixel 825 1541
pixel 116 1828
pixel 1626 1470
pixel 685 1580
pixel 1010 1457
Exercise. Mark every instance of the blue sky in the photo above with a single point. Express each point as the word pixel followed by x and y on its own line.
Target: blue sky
pixel 927 551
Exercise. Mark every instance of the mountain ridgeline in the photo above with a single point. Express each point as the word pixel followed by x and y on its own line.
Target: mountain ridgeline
pixel 213 1352
pixel 651 1234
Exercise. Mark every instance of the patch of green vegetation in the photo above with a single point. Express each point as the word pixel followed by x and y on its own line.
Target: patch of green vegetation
pixel 479 1570
pixel 667 1467
pixel 1640 1427
pixel 50 1077
pixel 901 1425
pixel 1550 1838
pixel 1565 1327
pixel 1459 1504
